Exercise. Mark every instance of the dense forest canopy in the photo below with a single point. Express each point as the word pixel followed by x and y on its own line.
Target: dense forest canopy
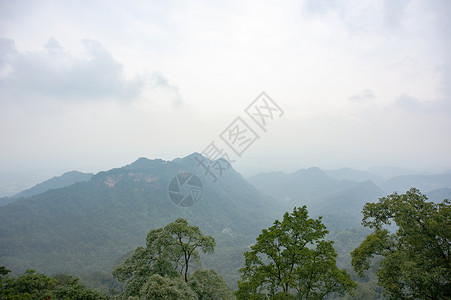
pixel 416 260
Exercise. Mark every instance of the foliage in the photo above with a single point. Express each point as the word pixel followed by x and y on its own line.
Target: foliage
pixel 86 227
pixel 102 281
pixel 185 242
pixel 291 259
pixel 32 285
pixel 209 285
pixel 26 286
pixel 169 252
pixel 159 287
pixel 415 259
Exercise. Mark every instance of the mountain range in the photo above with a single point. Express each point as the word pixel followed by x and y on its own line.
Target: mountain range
pixel 339 195
pixel 64 180
pixel 80 223
pixel 89 225
pixel 338 201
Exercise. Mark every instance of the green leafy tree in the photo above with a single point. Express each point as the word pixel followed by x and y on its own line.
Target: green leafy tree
pixel 210 285
pixel 187 240
pixel 32 285
pixel 26 286
pixel 169 252
pixel 158 287
pixel 102 281
pixel 291 259
pixel 145 262
pixel 415 260
pixel 68 287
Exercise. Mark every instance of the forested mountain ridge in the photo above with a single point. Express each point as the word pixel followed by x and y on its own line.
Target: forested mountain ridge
pixel 87 226
pixel 56 182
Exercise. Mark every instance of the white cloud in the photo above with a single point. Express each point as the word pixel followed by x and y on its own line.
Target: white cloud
pixel 55 73
pixel 418 106
pixel 366 95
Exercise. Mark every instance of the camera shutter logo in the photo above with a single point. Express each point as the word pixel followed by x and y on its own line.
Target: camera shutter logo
pixel 185 189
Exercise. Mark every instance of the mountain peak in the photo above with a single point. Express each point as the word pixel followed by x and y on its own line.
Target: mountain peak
pixel 118 207
pixel 144 163
pixel 191 156
pixel 64 180
pixel 313 171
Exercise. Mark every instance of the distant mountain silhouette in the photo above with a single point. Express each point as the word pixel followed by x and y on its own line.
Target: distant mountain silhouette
pixel 64 180
pixel 424 183
pixel 339 201
pixel 355 175
pixel 438 195
pixel 286 186
pixel 56 182
pixel 389 171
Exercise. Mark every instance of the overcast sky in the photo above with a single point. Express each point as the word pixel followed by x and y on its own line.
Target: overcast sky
pixel 92 85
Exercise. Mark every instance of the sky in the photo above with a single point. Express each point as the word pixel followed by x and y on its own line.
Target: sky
pixel 93 85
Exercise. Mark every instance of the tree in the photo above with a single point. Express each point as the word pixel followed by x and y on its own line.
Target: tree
pixel 291 259
pixel 169 252
pixel 209 285
pixel 68 287
pixel 158 287
pixel 32 285
pixel 415 260
pixel 102 281
pixel 187 239
pixel 155 258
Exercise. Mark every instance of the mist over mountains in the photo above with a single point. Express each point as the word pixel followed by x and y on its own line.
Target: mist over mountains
pixel 339 195
pixel 64 180
pixel 89 225
pixel 81 223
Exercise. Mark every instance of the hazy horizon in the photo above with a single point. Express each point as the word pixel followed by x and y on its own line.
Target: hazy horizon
pixel 12 182
pixel 91 86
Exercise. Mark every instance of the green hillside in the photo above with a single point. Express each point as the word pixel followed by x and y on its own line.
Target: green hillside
pixel 91 226
pixel 88 226
pixel 56 182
